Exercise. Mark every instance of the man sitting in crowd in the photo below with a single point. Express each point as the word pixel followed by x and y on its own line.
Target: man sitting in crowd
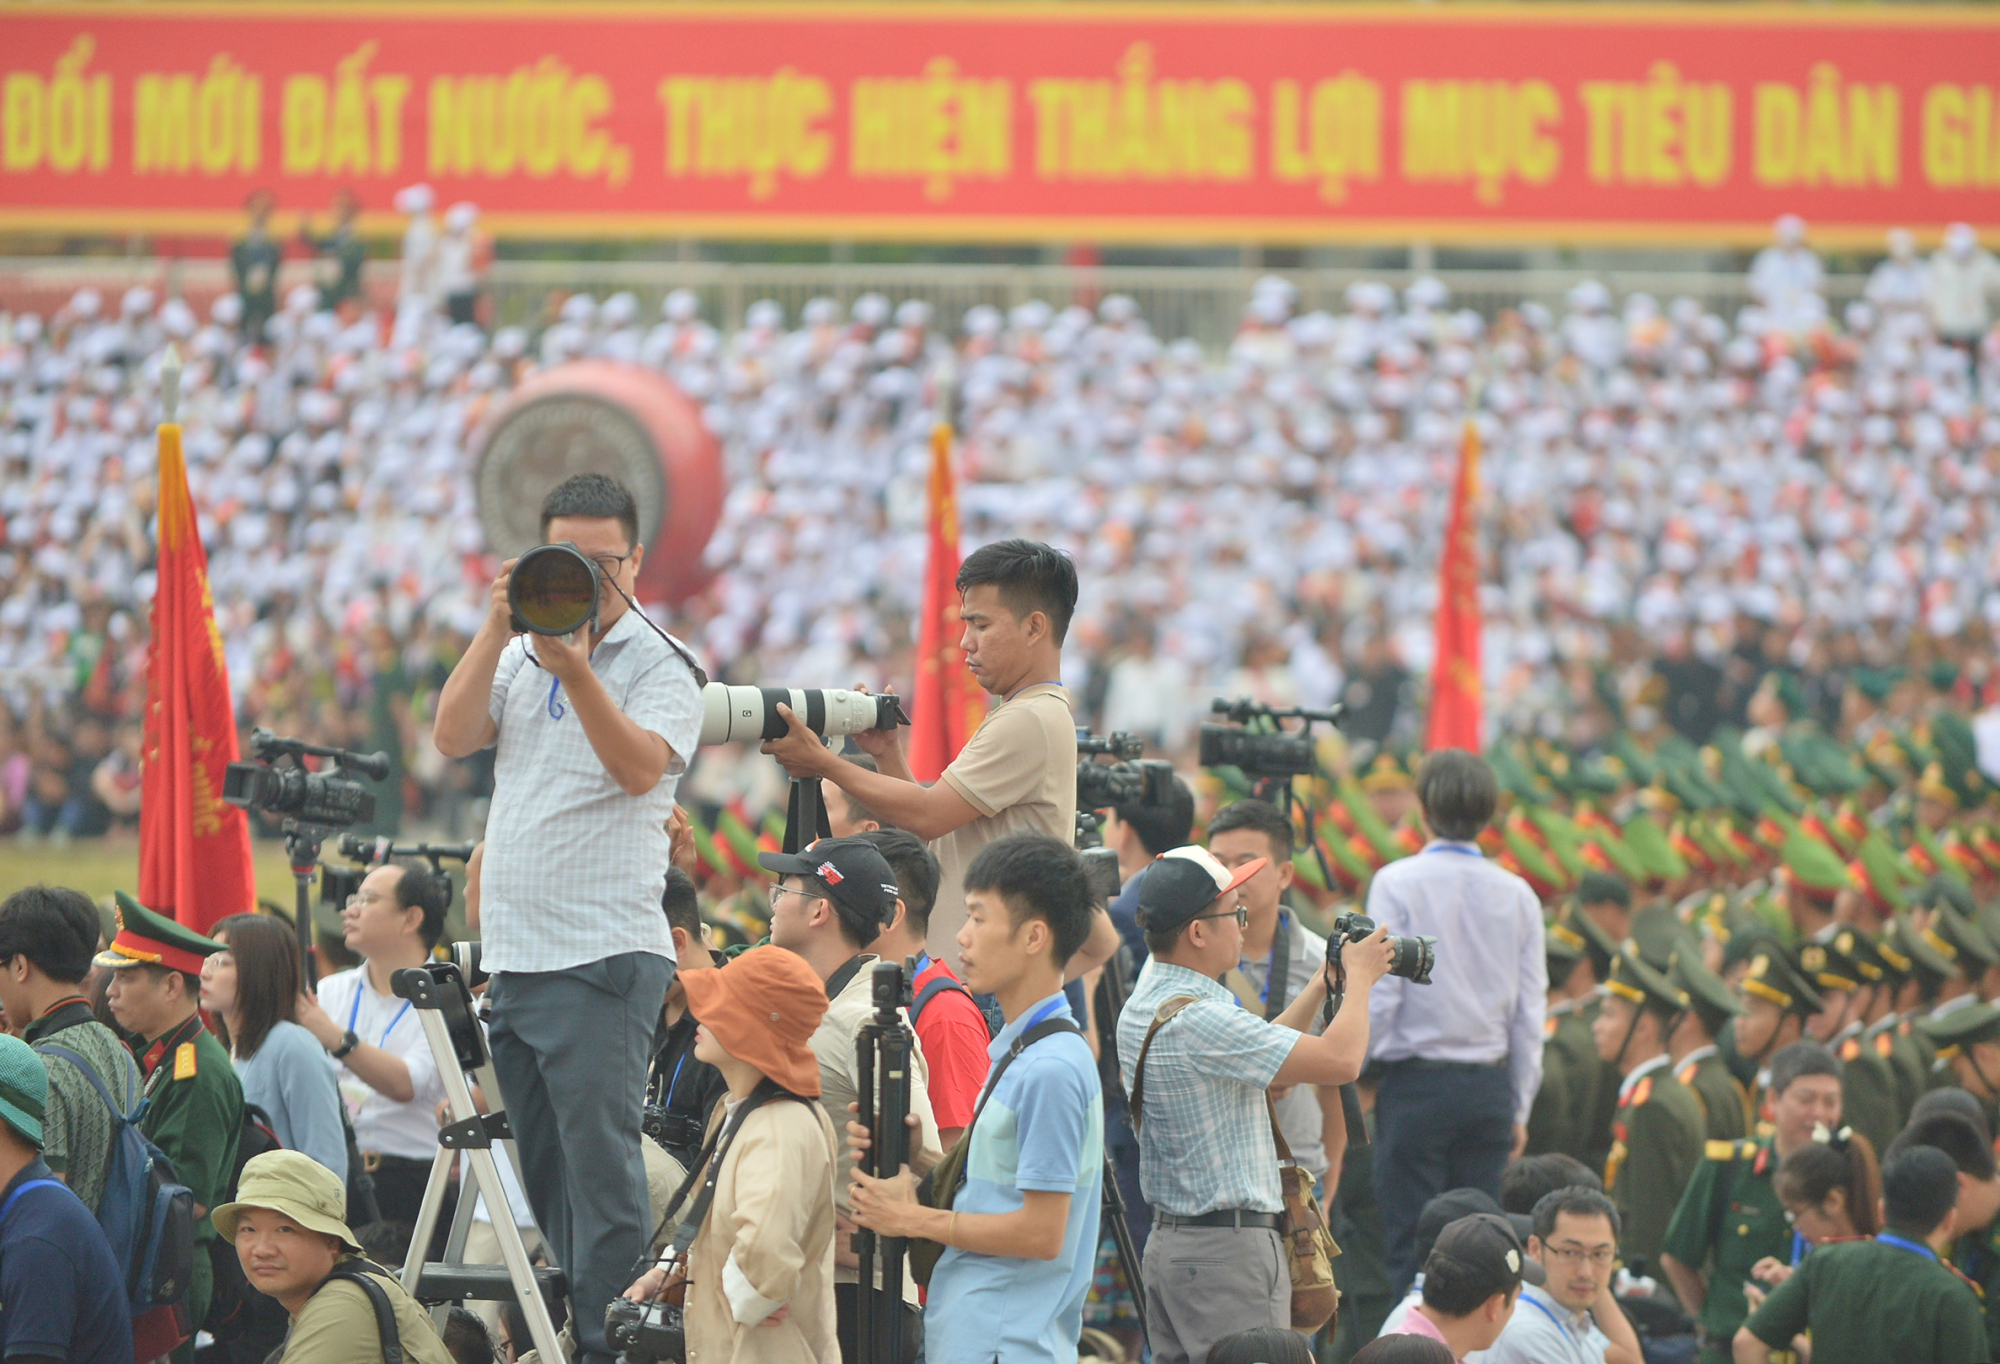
pixel 62 1298
pixel 47 937
pixel 387 1075
pixel 1472 1280
pixel 1021 1233
pixel 286 1224
pixel 1572 1317
pixel 194 1110
pixel 1196 1064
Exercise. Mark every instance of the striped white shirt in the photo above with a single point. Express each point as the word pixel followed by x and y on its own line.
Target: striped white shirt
pixel 575 867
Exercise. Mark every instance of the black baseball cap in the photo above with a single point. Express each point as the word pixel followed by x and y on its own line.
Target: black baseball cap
pixel 1484 1251
pixel 1181 883
pixel 854 872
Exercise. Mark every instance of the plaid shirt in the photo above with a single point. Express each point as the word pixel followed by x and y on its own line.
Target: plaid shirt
pixel 1205 1137
pixel 574 866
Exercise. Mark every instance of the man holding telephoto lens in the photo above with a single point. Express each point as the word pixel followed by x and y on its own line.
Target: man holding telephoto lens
pixel 593 731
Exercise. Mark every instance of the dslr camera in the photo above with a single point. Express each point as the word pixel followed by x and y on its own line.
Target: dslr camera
pixel 750 714
pixel 1410 958
pixel 1130 780
pixel 672 1132
pixel 646 1332
pixel 330 799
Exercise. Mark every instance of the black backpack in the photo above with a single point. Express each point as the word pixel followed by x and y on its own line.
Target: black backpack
pixel 247 1323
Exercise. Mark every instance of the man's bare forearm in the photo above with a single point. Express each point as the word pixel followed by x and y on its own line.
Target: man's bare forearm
pixel 927 811
pixel 464 722
pixel 636 758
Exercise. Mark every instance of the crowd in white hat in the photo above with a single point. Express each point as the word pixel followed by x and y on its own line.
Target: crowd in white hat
pixel 1251 519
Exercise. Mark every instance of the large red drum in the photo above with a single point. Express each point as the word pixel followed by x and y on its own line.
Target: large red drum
pixel 602 417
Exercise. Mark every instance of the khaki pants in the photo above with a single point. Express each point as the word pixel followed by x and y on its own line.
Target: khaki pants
pixel 1204 1283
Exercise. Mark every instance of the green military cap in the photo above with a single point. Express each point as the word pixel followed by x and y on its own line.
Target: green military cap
pixel 1648 842
pixel 1828 967
pixel 1875 683
pixel 1708 994
pixel 1771 977
pixel 1561 950
pixel 1975 951
pixel 1748 936
pixel 1632 979
pixel 1591 937
pixel 148 939
pixel 1927 951
pixel 1895 962
pixel 1659 935
pixel 1815 865
pixel 1961 1028
pixel 1864 952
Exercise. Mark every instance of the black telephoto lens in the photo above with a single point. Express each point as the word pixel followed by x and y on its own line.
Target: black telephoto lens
pixel 552 590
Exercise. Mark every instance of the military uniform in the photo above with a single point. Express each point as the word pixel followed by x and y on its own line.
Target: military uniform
pixel 1597 1088
pixel 1725 1104
pixel 1728 1219
pixel 1551 1126
pixel 1657 1131
pixel 1977 1256
pixel 194 1102
pixel 1871 1299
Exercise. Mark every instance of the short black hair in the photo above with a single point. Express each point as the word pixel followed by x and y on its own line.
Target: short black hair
pixel 1919 1188
pixel 1404 1349
pixel 1578 1200
pixel 593 495
pixel 917 873
pixel 1951 1099
pixel 682 903
pixel 54 927
pixel 190 982
pixel 1031 577
pixel 1258 816
pixel 1799 1060
pixel 857 810
pixel 1528 1180
pixel 1458 792
pixel 1161 827
pixel 1040 878
pixel 1454 1289
pixel 466 1339
pixel 421 888
pixel 1261 1345
pixel 1953 1134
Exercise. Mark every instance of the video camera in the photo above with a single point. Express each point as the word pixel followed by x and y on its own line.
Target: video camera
pixel 330 799
pixel 337 885
pixel 1254 743
pixel 1131 780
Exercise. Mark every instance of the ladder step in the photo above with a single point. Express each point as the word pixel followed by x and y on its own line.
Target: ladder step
pixel 441 1283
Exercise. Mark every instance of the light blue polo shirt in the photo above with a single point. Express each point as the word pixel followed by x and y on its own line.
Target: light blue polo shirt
pixel 1041 1129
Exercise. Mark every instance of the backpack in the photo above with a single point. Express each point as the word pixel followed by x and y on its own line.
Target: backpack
pixel 237 1313
pixel 146 1213
pixel 933 990
pixel 361 1274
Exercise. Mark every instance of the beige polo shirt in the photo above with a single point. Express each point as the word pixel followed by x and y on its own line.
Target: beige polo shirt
pixel 1019 771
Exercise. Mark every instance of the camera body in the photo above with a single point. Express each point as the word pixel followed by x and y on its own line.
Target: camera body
pixel 1131 780
pixel 1411 958
pixel 646 1332
pixel 330 799
pixel 672 1131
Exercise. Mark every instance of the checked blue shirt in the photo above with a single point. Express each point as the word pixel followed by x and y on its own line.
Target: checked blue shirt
pixel 1205 1137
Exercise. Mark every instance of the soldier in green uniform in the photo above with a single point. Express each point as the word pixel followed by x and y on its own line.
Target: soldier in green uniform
pixel 1776 1004
pixel 1968 1041
pixel 1657 1132
pixel 1933 968
pixel 1870 1098
pixel 1596 1097
pixel 1977 1251
pixel 1730 1217
pixel 1551 1120
pixel 1972 952
pixel 194 1109
pixel 1698 1064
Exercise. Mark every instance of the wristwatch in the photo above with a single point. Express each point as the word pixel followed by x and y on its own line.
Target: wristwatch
pixel 349 1040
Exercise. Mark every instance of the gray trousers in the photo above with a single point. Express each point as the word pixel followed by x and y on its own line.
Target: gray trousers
pixel 570 1049
pixel 1204 1283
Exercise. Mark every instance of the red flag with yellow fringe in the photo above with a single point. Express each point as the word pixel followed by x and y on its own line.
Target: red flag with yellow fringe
pixel 1457 694
pixel 194 848
pixel 947 705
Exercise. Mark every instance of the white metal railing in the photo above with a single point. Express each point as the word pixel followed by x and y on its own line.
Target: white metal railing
pixel 1203 302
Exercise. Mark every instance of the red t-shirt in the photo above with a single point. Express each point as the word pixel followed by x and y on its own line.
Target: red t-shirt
pixel 952 1033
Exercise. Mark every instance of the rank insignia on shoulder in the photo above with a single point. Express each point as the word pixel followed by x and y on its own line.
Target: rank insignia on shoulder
pixel 184 1061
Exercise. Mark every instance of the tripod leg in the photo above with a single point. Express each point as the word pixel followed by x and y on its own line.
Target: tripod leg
pixel 1121 1237
pixel 427 1218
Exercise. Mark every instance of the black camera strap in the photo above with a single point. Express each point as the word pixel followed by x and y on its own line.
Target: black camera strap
pixel 708 1169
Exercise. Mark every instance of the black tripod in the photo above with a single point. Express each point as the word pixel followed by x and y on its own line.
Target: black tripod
pixel 882 1061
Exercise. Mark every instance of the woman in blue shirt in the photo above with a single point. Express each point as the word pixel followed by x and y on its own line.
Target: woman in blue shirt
pixel 251 991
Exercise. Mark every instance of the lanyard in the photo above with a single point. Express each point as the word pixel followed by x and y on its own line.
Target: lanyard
pixel 1568 1338
pixel 668 1102
pixel 923 965
pixel 1799 1247
pixel 354 1012
pixel 1455 848
pixel 556 708
pixel 1273 966
pixel 1043 1012
pixel 1889 1238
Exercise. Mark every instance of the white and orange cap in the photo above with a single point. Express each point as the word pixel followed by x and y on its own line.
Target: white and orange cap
pixel 1182 882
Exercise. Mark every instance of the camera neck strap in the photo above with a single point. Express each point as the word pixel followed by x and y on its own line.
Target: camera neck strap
pixel 700 675
pixel 708 1167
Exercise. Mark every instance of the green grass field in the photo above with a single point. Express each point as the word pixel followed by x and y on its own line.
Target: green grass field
pixel 98 866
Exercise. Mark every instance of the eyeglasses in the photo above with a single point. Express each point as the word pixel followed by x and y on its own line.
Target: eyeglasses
pixel 609 564
pixel 1240 914
pixel 1573 1256
pixel 362 899
pixel 778 893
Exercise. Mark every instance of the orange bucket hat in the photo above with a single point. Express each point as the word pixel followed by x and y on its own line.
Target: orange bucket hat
pixel 763 1007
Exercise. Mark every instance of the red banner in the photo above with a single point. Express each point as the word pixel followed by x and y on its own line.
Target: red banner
pixel 194 849
pixel 1026 121
pixel 947 704
pixel 1457 690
